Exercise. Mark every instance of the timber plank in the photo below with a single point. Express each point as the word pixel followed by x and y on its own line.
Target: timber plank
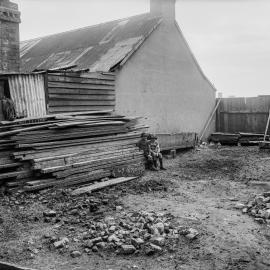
pixel 8 266
pixel 65 109
pixel 110 97
pixel 84 87
pixel 79 80
pixel 74 102
pixel 88 75
pixel 102 185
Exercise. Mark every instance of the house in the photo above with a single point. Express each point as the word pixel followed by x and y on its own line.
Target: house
pixel 156 75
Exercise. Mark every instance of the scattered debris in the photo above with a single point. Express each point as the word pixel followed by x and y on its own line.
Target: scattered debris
pixel 259 208
pixel 125 233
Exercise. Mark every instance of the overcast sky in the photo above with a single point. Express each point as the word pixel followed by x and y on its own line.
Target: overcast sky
pixel 230 38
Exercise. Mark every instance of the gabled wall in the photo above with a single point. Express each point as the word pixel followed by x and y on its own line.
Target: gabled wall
pixel 162 82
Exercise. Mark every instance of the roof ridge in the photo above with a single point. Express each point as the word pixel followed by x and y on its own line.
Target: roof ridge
pixel 88 27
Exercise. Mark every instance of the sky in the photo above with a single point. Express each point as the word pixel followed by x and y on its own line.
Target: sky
pixel 229 38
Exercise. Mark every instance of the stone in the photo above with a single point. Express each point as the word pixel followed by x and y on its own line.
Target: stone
pixel 50 213
pixel 95 249
pixel 152 249
pixel 127 249
pixel 118 208
pixel 113 238
pixel 89 244
pixel 266 194
pixel 267 214
pixel 110 220
pixel 244 210
pixel 137 242
pixel 160 227
pixel 259 200
pixel 75 254
pixel 239 206
pixel 192 234
pixel 259 220
pixel 112 229
pixel 101 245
pixel 158 240
pixel 61 243
pixel 96 240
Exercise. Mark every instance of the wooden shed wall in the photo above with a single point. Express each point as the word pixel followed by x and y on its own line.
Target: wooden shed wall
pixel 243 114
pixel 73 92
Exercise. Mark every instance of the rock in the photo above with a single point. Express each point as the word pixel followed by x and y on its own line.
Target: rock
pixel 95 249
pixel 50 213
pixel 160 227
pixel 109 220
pixel 75 254
pixel 259 200
pixel 259 220
pixel 127 249
pixel 192 234
pixel 266 194
pixel 113 238
pixel 239 206
pixel 267 214
pixel 101 245
pixel 244 210
pixel 74 212
pixel 137 242
pixel 152 249
pixel 118 208
pixel 158 240
pixel 153 230
pixel 59 244
pixel 89 244
pixel 112 229
pixel 96 240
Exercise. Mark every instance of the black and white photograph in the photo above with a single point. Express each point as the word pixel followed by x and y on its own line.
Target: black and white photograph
pixel 134 134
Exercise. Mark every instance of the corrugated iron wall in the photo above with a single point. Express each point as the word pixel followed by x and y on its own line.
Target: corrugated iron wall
pixel 28 93
pixel 73 92
pixel 243 114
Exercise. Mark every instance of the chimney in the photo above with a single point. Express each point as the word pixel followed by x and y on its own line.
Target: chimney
pixel 9 37
pixel 163 8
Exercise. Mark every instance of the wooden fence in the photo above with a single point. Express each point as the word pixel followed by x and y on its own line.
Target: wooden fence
pixel 243 114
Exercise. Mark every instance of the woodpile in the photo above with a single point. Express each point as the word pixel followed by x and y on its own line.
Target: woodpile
pixel 244 139
pixel 68 149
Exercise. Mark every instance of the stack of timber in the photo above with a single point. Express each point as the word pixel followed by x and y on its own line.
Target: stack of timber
pixel 247 139
pixel 244 139
pixel 224 138
pixel 68 149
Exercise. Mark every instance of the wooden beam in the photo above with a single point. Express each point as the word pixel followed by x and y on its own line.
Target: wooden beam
pixel 102 185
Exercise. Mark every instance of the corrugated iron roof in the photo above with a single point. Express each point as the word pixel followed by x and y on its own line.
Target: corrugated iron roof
pixel 98 48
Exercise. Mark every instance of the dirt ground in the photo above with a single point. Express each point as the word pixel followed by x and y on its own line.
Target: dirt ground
pixel 199 189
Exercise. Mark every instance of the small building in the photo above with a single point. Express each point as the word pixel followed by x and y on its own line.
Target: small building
pixel 156 75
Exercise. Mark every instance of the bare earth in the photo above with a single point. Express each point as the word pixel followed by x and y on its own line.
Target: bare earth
pixel 200 189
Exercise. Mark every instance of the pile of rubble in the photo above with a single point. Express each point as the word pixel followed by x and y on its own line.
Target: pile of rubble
pixel 259 208
pixel 125 233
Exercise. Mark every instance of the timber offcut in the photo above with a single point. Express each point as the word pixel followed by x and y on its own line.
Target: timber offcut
pixel 68 149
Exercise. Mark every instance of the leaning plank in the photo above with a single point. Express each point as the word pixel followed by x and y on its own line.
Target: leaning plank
pixel 102 185
pixel 8 266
